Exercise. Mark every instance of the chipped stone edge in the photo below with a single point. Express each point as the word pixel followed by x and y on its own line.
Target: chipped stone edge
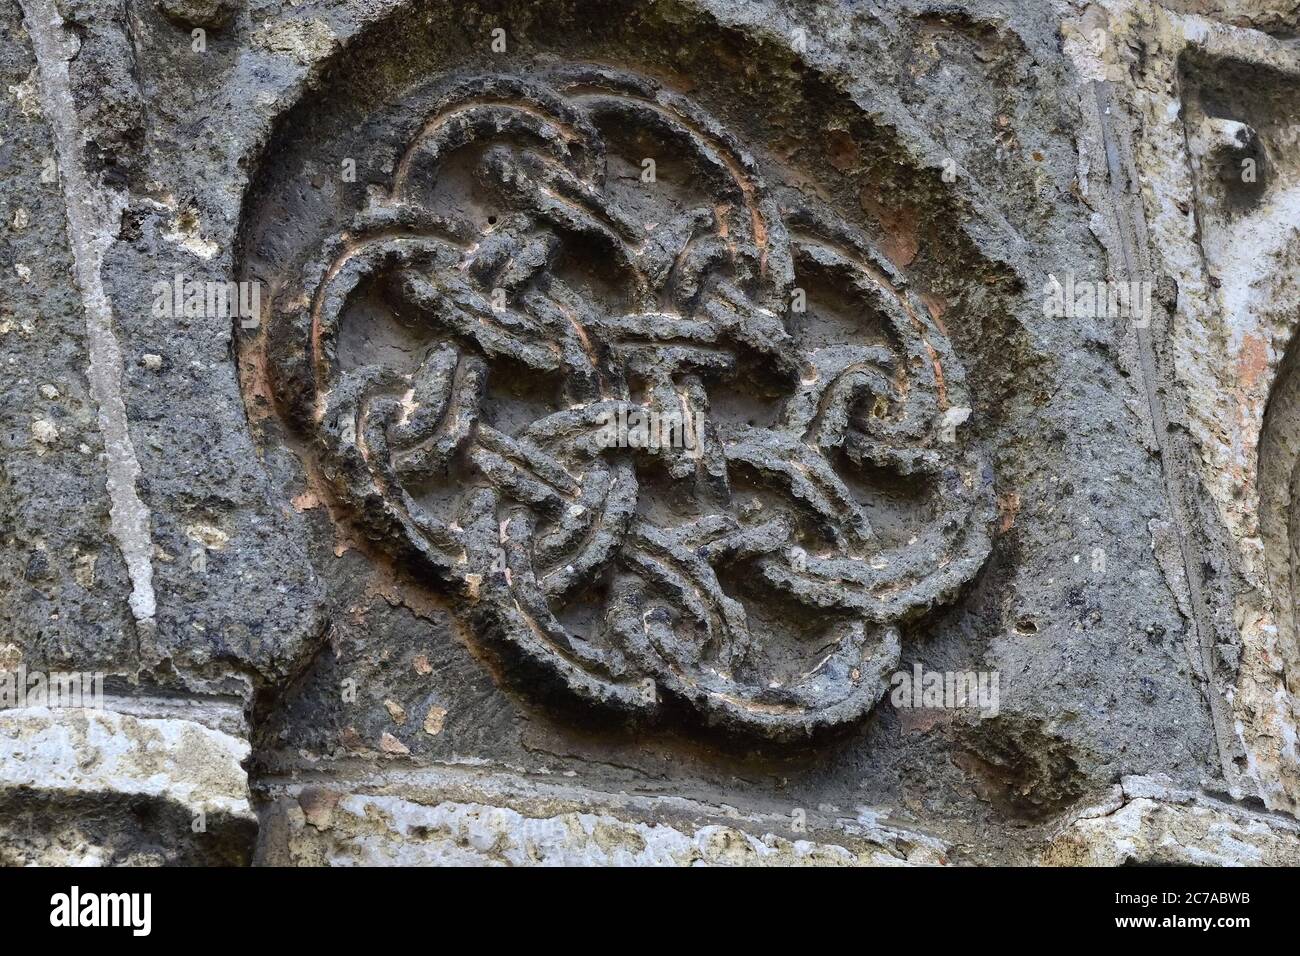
pixel 93 212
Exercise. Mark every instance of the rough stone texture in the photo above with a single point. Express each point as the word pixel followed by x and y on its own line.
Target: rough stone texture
pixel 210 14
pixel 369 544
pixel 1223 96
pixel 1277 17
pixel 1147 824
pixel 63 576
pixel 83 785
pixel 463 818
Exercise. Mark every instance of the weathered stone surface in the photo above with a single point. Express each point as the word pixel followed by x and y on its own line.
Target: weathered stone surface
pixel 1150 825
pixel 1279 17
pixel 386 831
pixel 372 578
pixel 1213 199
pixel 62 575
pixel 212 14
pixel 507 820
pixel 85 786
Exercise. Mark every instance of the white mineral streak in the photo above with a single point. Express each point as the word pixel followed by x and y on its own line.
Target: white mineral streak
pixel 93 214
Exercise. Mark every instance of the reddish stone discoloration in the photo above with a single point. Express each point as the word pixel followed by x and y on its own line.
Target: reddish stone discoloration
pixel 1008 508
pixel 899 240
pixel 1252 361
pixel 936 305
pixel 259 400
pixel 1249 393
pixel 921 720
pixel 841 151
pixel 306 501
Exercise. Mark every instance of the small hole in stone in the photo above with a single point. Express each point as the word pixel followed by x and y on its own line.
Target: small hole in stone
pixel 1026 626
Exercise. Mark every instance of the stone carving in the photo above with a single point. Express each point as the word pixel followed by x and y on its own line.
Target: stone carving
pixel 461 359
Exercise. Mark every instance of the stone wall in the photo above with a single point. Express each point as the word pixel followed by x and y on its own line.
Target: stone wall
pixel 560 431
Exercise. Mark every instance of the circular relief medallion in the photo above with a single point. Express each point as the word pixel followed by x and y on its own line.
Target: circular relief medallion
pixel 667 434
